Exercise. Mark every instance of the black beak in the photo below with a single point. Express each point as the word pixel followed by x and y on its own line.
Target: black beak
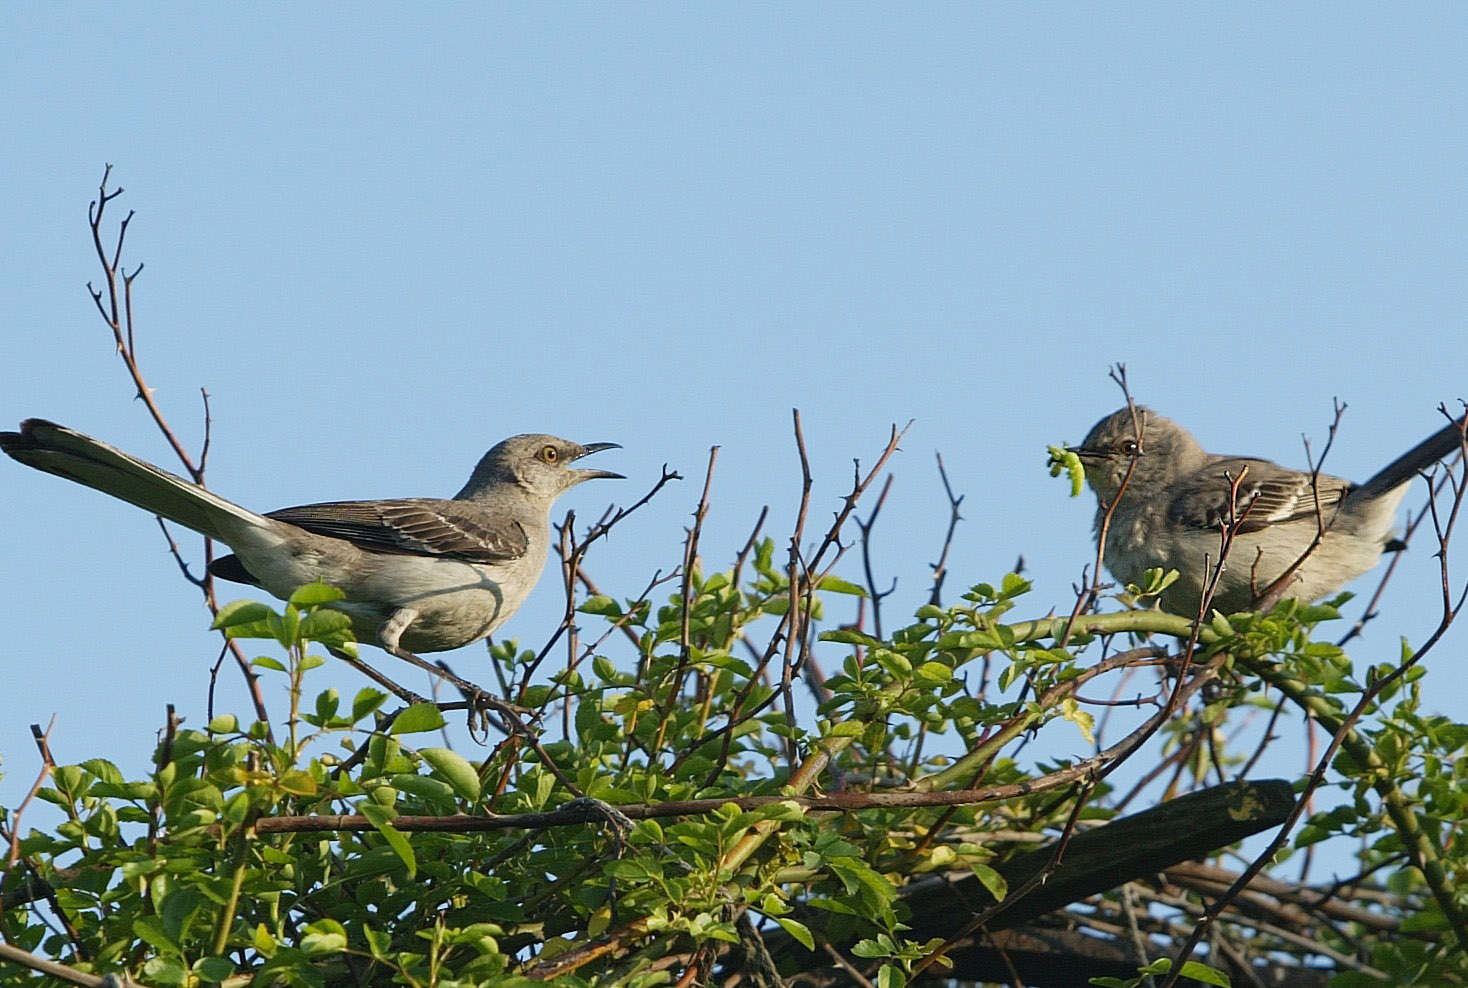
pixel 590 448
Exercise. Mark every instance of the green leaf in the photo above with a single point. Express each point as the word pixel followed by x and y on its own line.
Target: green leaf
pixel 1190 969
pixel 366 701
pixel 179 906
pixel 237 808
pixel 287 627
pixel 425 787
pixel 603 668
pixel 798 931
pixel 1205 974
pixel 992 881
pixel 378 942
pixel 539 695
pixel 416 719
pixel 837 585
pixel 104 770
pixel 633 870
pixel 602 605
pixel 151 931
pixel 841 906
pixel 325 626
pixel 1070 709
pixel 786 811
pixel 1013 585
pixel 213 968
pixel 297 783
pixel 328 702
pixel 320 944
pixel 239 612
pixel 381 818
pixel 849 636
pixel 932 672
pixel 450 766
pixel 315 594
pixel 163 971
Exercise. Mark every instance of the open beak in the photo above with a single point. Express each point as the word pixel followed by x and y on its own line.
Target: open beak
pixel 587 450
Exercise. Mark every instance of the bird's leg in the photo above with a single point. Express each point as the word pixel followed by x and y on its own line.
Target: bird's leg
pixel 388 636
pixel 401 692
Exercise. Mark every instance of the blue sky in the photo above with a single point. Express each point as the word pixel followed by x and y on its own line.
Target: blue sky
pixel 384 237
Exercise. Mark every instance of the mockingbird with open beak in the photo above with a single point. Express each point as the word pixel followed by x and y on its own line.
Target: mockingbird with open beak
pixel 1173 499
pixel 419 574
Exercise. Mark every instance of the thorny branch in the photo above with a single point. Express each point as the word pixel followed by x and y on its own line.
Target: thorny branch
pixel 800 590
pixel 114 302
pixel 572 552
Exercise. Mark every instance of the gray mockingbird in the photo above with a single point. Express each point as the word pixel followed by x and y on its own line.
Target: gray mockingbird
pixel 1174 499
pixel 419 574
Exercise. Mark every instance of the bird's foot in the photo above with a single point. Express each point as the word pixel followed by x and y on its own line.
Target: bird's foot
pixel 621 824
pixel 512 718
pixel 482 706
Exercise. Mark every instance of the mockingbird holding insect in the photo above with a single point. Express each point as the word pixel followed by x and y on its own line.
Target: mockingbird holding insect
pixel 419 574
pixel 1173 501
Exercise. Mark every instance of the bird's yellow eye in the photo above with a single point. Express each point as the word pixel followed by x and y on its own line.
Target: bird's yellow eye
pixel 549 454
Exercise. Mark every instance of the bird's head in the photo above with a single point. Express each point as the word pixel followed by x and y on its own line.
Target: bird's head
pixel 1138 440
pixel 539 464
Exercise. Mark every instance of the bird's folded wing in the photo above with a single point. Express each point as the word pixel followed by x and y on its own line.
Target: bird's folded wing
pixel 414 526
pixel 1268 495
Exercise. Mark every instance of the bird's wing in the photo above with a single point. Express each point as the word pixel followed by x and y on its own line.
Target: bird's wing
pixel 414 526
pixel 1268 495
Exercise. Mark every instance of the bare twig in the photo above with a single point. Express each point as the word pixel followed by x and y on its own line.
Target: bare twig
pixel 48 763
pixel 940 568
pixel 689 568
pixel 577 552
pixel 116 309
pixel 865 527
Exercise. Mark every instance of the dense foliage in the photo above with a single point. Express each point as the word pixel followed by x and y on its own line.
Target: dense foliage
pixel 566 846
pixel 710 781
